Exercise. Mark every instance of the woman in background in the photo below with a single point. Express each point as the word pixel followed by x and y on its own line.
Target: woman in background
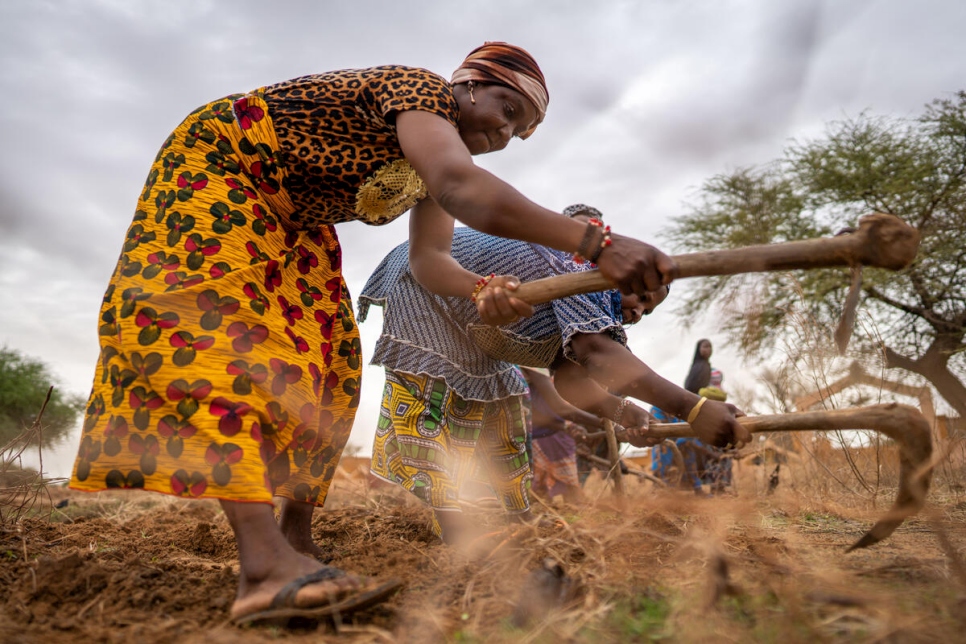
pixel 699 375
pixel 449 407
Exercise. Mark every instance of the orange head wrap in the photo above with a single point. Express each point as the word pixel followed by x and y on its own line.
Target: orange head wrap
pixel 505 64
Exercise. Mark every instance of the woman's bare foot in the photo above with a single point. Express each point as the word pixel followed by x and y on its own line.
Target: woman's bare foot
pixel 295 523
pixel 257 594
pixel 269 563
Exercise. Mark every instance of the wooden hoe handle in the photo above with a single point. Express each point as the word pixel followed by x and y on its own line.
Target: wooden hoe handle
pixel 884 241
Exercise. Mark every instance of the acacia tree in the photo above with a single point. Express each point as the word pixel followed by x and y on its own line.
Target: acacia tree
pixel 24 383
pixel 912 168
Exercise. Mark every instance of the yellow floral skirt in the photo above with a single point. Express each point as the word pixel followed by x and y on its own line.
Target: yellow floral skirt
pixel 230 359
pixel 432 442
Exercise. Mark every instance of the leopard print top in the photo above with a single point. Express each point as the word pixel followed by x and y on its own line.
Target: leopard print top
pixel 337 140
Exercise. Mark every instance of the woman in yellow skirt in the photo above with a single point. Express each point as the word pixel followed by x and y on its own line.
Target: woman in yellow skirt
pixel 230 360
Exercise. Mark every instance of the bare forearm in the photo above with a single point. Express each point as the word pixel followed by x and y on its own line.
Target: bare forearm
pixel 480 200
pixel 490 205
pixel 430 252
pixel 442 275
pixel 471 194
pixel 546 388
pixel 575 385
pixel 581 417
pixel 621 372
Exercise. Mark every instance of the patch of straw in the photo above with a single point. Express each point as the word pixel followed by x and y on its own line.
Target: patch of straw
pixel 22 491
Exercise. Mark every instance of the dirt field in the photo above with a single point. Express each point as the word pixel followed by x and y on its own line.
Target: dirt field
pixel 661 565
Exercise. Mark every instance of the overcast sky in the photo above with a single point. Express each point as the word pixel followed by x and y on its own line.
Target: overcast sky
pixel 647 100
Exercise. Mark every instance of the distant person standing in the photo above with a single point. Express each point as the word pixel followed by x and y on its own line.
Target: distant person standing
pixel 699 377
pixel 700 373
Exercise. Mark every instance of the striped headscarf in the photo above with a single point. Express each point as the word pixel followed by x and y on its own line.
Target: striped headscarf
pixel 506 64
pixel 583 209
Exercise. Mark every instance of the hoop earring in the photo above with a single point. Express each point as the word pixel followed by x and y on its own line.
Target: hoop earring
pixel 469 88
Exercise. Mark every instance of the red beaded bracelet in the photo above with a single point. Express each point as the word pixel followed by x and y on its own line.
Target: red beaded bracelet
pixel 583 251
pixel 480 285
pixel 604 243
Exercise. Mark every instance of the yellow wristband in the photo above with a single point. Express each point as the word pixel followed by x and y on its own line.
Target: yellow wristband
pixel 696 410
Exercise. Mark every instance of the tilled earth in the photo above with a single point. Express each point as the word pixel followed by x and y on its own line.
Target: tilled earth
pixel 138 567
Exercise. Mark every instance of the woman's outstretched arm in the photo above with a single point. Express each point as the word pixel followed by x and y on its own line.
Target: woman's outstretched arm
pixel 430 245
pixel 484 202
pixel 619 371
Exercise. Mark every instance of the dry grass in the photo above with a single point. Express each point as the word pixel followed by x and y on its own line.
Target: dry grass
pixel 766 563
pixel 667 565
pixel 24 491
pixel 657 565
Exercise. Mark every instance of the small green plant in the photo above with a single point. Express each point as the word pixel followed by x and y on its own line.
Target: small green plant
pixel 642 616
pixel 821 521
pixel 465 638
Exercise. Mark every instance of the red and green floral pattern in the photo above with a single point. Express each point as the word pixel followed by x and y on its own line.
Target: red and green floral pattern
pixel 230 363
